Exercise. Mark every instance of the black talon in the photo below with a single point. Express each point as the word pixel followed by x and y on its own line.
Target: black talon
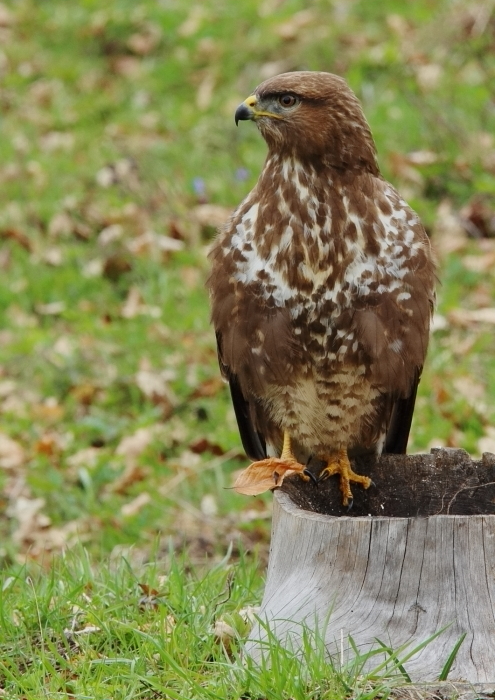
pixel 313 478
pixel 351 503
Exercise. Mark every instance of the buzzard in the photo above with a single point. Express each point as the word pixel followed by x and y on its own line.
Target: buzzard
pixel 322 289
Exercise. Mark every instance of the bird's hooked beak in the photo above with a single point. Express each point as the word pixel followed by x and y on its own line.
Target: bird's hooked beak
pixel 252 109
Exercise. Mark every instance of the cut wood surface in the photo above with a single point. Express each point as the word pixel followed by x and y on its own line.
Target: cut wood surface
pixel 414 554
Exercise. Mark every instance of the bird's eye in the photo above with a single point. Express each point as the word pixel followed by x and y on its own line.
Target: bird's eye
pixel 287 100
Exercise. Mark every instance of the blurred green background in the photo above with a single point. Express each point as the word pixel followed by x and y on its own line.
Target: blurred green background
pixel 118 159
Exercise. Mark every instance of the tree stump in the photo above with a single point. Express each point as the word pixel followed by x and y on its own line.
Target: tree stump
pixel 415 553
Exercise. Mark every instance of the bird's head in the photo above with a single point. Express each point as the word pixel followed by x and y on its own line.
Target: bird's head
pixel 312 115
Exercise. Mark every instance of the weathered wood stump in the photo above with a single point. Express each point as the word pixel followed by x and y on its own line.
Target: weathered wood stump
pixel 415 553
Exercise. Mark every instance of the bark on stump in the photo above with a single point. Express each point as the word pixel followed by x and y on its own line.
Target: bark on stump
pixel 415 553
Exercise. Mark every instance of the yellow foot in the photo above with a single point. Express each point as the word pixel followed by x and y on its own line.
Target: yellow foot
pixel 339 463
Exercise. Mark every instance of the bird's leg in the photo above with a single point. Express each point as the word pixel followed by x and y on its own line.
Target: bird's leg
pixel 287 456
pixel 286 453
pixel 281 464
pixel 338 463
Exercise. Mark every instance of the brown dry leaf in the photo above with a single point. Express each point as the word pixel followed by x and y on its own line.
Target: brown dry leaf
pixel 224 633
pixel 145 41
pixel 53 256
pixel 29 518
pixel 61 225
pixel 290 29
pixel 211 215
pixel 114 266
pixel 479 263
pixel 50 410
pixel 191 277
pixel 487 442
pixel 6 16
pixel 405 168
pixel 133 304
pixel 12 455
pixel 204 94
pixel 202 445
pixel 87 457
pixel 132 474
pixel 17 236
pixel 126 66
pixel 132 446
pixel 428 75
pixel 48 444
pixel 478 218
pixel 84 393
pixel 134 506
pixel 155 387
pixel 448 233
pixel 207 388
pixel 110 234
pixel 151 243
pixel 265 476
pixel 466 317
pixel 193 22
pixel 54 308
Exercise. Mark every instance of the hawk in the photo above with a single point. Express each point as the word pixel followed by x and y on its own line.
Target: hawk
pixel 322 288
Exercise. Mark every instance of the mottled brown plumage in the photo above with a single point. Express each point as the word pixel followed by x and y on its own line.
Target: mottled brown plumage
pixel 322 285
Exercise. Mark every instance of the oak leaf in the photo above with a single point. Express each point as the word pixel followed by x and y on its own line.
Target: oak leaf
pixel 265 475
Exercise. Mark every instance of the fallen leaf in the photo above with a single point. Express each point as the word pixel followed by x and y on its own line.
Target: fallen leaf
pixel 54 308
pixel 53 256
pixel 290 29
pixel 208 387
pixel 12 453
pixel 265 476
pixel 110 234
pixel 205 91
pixel 154 386
pixel 114 266
pixel 6 16
pixel 465 317
pixel 134 506
pixel 87 457
pixel 208 505
pixel 132 446
pixel 49 410
pixel 48 444
pixel 224 633
pixel 487 442
pixel 132 474
pixel 478 218
pixel 145 41
pixel 211 215
pixel 19 237
pixel 202 445
pixel 448 232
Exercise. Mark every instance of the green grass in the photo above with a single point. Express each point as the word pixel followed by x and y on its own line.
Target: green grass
pixel 116 127
pixel 166 631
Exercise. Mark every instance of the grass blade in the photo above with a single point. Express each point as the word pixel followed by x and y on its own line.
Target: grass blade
pixel 448 664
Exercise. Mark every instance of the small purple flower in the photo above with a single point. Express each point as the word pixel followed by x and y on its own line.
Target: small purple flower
pixel 199 186
pixel 241 174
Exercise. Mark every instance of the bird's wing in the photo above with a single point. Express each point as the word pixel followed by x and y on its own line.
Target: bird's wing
pixel 253 442
pixel 391 324
pixel 400 421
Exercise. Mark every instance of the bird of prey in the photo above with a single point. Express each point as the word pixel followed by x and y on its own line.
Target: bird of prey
pixel 322 288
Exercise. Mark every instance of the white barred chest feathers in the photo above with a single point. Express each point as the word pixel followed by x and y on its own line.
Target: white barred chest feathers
pixel 281 248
